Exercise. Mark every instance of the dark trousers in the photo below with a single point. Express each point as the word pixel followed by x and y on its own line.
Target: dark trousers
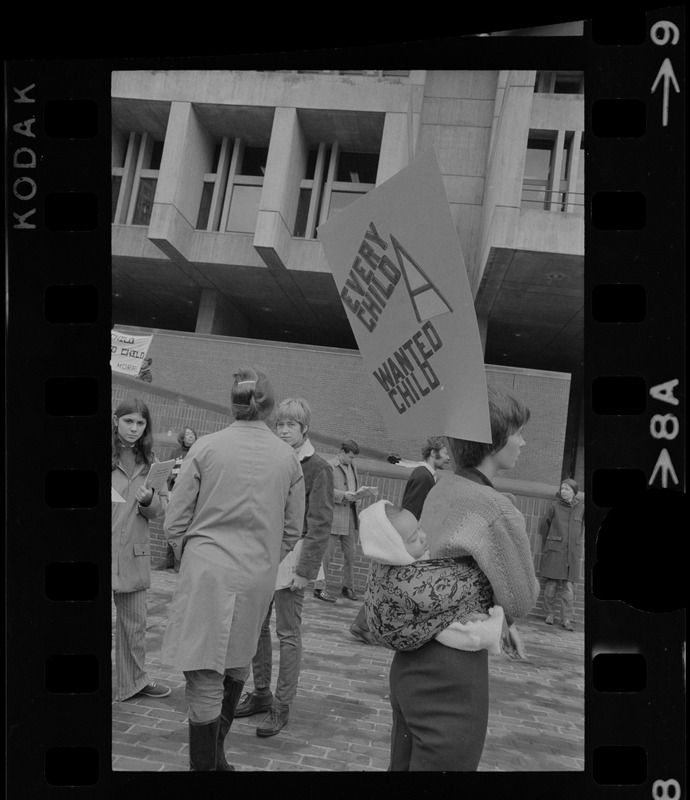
pixel 440 701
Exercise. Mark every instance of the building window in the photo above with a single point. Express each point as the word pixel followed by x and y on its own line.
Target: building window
pixel 134 182
pixel 144 204
pixel 334 179
pixel 565 82
pixel 535 184
pixel 205 206
pixel 244 208
pixel 232 190
pixel 554 172
pixel 246 184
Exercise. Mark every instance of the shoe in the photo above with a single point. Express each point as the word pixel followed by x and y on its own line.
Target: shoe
pixel 154 690
pixel 549 620
pixel 253 703
pixel 568 625
pixel 273 723
pixel 363 636
pixel 322 594
pixel 349 593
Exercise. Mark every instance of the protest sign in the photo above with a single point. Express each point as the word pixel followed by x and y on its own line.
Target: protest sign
pixel 127 352
pixel 397 263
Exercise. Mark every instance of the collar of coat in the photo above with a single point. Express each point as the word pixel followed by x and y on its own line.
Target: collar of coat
pixel 305 450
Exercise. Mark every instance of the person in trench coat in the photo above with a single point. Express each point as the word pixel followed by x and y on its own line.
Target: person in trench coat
pixel 237 510
pixel 562 536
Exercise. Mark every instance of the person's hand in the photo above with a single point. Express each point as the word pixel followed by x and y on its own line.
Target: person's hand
pixel 144 495
pixel 350 496
pixel 511 643
pixel 298 582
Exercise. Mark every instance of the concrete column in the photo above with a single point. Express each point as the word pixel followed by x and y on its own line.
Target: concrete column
pixel 554 194
pixel 394 144
pixel 285 168
pixel 187 156
pixel 123 201
pixel 218 316
pixel 505 168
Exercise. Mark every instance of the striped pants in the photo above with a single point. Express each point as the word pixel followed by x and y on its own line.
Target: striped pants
pixel 130 642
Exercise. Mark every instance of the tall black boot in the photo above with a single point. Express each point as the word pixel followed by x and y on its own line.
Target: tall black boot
pixel 203 737
pixel 232 689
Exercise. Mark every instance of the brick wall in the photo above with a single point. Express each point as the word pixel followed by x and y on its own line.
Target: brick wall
pixel 335 384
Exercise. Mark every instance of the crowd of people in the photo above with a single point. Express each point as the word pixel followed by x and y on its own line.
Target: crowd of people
pixel 252 515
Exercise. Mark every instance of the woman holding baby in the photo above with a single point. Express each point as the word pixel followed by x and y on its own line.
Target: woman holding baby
pixel 445 614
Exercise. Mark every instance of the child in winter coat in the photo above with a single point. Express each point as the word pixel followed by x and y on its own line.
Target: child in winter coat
pixel 562 537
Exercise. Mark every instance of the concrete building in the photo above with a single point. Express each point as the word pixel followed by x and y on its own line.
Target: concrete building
pixel 221 178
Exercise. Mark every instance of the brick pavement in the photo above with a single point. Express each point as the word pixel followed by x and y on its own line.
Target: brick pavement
pixel 341 718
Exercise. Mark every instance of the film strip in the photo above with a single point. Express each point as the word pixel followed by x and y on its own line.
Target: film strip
pixel 58 406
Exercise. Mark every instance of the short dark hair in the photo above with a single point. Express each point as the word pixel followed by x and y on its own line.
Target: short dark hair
pixel 433 443
pixel 507 415
pixel 350 446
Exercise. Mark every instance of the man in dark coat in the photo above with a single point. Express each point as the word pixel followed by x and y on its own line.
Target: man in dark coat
pixel 296 570
pixel 145 373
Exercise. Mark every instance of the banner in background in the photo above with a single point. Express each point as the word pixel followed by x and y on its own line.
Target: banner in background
pixel 127 352
pixel 397 263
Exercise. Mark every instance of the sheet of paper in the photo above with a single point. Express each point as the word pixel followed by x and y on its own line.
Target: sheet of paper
pixel 287 567
pixel 367 491
pixel 158 474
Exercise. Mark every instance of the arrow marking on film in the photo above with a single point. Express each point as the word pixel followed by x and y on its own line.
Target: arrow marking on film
pixel 665 72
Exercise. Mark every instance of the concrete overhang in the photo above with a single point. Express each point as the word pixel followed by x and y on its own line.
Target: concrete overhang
pixel 532 303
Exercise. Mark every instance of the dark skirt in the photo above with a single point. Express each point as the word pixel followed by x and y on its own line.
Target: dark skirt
pixel 440 701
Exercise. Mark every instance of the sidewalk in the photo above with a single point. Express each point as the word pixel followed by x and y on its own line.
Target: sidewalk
pixel 341 718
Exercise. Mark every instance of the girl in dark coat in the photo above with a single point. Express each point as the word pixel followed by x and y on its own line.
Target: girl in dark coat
pixel 185 439
pixel 562 537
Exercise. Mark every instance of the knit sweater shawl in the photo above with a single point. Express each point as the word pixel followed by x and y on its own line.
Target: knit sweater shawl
pixel 465 518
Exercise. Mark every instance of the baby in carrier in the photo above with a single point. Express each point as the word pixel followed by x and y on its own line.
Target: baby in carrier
pixel 411 599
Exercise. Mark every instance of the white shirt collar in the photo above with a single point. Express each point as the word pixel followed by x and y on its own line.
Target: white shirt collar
pixel 305 450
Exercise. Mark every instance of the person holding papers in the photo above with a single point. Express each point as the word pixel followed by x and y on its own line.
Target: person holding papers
pixel 347 495
pixel 236 511
pixel 134 503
